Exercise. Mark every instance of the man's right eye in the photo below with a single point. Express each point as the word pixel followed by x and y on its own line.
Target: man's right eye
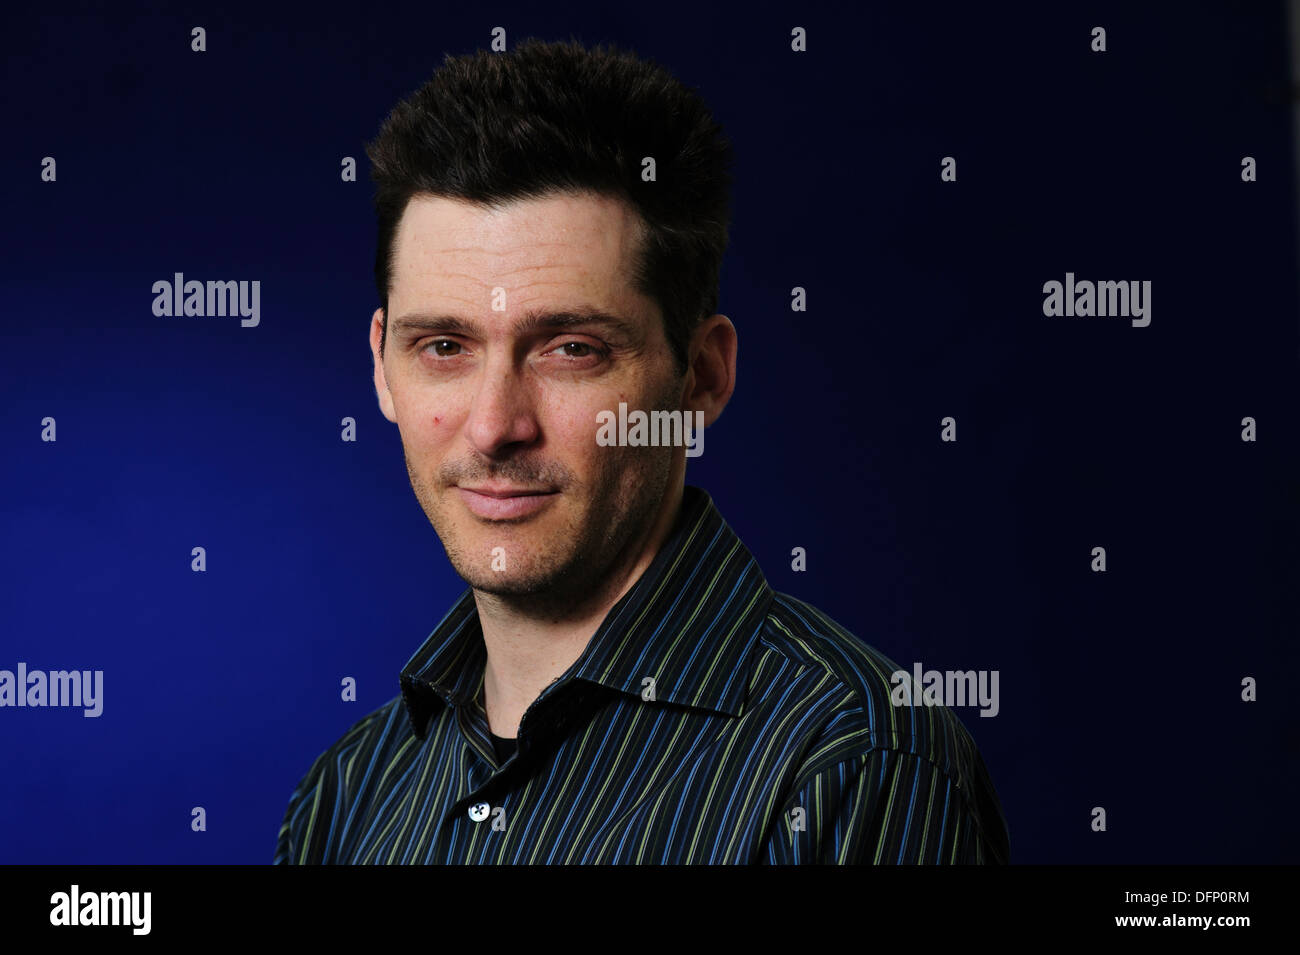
pixel 442 346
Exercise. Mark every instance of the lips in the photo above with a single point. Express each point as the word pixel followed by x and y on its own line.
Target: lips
pixel 495 502
pixel 497 491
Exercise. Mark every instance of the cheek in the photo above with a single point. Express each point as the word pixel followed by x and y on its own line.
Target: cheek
pixel 570 428
pixel 575 443
pixel 433 414
pixel 423 431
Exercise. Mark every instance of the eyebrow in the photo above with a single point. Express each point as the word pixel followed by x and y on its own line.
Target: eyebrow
pixel 533 320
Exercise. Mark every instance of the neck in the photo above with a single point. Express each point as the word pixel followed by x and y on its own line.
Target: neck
pixel 532 640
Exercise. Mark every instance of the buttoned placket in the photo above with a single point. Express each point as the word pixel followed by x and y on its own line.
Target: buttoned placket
pixel 472 718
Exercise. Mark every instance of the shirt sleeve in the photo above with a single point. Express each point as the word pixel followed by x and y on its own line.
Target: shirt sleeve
pixel 307 835
pixel 295 841
pixel 880 807
pixel 286 851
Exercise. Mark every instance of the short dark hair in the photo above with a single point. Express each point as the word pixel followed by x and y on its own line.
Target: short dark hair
pixel 550 118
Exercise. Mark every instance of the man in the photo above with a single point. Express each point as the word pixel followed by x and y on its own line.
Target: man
pixel 618 683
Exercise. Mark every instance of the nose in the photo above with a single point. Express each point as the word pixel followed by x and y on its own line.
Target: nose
pixel 503 412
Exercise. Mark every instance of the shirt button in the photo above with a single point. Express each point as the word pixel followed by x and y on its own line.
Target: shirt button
pixel 479 811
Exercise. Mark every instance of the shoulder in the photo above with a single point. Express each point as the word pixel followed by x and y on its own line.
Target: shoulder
pixel 372 739
pixel 855 685
pixel 355 761
pixel 848 689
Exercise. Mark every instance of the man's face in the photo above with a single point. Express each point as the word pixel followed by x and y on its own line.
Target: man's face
pixel 496 366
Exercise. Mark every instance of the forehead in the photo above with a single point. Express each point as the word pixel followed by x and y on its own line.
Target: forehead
pixel 574 245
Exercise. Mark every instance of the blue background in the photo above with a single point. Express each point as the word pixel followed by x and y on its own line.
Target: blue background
pixel 1119 690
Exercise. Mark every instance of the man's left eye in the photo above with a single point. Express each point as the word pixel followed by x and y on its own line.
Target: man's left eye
pixel 584 350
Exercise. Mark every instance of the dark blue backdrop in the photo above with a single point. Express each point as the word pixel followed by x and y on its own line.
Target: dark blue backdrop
pixel 1119 689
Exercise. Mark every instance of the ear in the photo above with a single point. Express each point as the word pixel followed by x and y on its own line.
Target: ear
pixel 711 367
pixel 381 383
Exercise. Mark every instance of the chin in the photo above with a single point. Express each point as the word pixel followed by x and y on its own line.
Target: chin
pixel 501 588
pixel 503 585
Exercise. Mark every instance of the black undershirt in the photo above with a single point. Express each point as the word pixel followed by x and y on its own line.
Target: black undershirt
pixel 504 747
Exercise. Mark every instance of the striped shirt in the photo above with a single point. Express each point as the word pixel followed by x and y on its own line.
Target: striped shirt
pixel 709 719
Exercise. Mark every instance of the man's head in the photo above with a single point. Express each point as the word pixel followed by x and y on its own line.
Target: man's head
pixel 531 278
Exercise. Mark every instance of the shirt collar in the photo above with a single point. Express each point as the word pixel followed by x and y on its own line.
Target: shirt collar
pixel 687 624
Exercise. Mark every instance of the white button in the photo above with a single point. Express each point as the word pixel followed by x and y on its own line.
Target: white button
pixel 479 811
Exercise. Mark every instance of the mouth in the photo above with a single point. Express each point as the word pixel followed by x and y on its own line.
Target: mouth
pixel 496 502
